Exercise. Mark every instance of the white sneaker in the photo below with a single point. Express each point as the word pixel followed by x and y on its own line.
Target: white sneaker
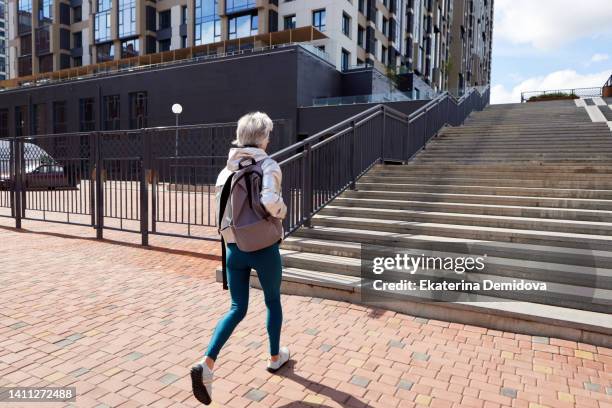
pixel 201 382
pixel 283 357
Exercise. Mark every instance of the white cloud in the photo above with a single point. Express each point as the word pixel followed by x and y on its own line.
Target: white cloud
pixel 548 24
pixel 600 58
pixel 565 79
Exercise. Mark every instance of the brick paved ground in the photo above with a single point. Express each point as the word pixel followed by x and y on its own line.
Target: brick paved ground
pixel 124 324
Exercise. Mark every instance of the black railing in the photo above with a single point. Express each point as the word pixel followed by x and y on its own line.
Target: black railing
pixel 321 167
pixel 162 180
pixel 151 181
pixel 569 93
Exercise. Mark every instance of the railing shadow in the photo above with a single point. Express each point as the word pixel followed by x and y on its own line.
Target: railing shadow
pixel 166 250
pixel 339 397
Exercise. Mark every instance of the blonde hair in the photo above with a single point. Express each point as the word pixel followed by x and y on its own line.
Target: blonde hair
pixel 253 129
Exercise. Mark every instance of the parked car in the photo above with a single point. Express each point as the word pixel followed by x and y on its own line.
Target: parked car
pixel 44 177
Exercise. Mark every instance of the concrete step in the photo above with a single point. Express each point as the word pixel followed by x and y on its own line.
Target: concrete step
pixel 526 236
pixel 519 317
pixel 585 169
pixel 437 146
pixel 549 183
pixel 548 202
pixel 493 221
pixel 482 209
pixel 517 161
pixel 488 190
pixel 325 259
pixel 571 292
pixel 339 240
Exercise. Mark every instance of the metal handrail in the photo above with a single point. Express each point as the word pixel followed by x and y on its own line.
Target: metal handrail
pixel 338 154
pixel 578 92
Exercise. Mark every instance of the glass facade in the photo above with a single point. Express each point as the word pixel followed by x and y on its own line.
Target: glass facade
pixel 24 11
pixel 243 26
pixel 127 18
pixel 207 22
pixel 105 52
pixel 102 21
pixel 45 11
pixel 232 6
pixel 102 26
pixel 129 48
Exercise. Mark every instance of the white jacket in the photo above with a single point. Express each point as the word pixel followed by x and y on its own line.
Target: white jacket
pixel 271 192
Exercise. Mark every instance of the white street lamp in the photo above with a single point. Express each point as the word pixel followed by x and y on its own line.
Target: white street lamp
pixel 177 109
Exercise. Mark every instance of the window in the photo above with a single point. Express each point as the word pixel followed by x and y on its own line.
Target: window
pixel 24 66
pixel 129 48
pixel 243 26
pixel 232 6
pixel 77 61
pixel 383 56
pixel 385 26
pixel 45 63
pixel 45 11
pixel 26 44
pixel 138 110
pixel 59 117
pixel 77 14
pixel 184 41
pixel 127 18
pixel 345 59
pixel 24 19
pixel 207 22
pixel 184 15
pixel 77 40
pixel 165 19
pixel 112 112
pixel 105 52
pixel 87 117
pixel 22 121
pixel 40 119
pixel 102 26
pixel 164 45
pixel 346 25
pixel 361 6
pixel 318 19
pixel 289 22
pixel 4 126
pixel 360 36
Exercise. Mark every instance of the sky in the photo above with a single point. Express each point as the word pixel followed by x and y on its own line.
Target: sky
pixel 549 44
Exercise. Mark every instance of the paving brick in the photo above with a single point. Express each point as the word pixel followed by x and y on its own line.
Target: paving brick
pixel 139 318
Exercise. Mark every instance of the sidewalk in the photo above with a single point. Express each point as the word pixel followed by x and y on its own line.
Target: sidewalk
pixel 124 324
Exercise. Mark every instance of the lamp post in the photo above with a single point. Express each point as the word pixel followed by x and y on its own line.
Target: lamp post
pixel 176 109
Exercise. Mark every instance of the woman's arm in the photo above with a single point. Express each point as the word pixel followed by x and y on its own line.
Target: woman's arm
pixel 271 192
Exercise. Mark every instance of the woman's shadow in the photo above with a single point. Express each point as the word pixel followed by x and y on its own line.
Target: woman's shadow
pixel 341 398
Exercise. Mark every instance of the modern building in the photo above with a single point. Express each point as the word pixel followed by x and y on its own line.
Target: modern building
pixel 470 55
pixel 424 46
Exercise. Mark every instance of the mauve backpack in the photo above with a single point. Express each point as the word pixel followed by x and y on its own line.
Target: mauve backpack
pixel 242 213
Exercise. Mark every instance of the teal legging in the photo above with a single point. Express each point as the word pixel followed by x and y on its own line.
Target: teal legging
pixel 267 263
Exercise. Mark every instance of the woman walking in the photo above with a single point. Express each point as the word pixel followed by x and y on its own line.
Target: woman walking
pixel 252 138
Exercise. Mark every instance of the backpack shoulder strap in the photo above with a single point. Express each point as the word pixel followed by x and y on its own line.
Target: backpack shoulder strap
pixel 225 193
pixel 222 204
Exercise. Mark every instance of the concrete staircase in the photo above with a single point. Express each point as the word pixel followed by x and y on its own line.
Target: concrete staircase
pixel 529 185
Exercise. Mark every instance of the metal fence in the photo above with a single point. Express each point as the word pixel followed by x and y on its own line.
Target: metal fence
pixel 574 92
pixel 161 180
pixel 321 167
pixel 150 181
